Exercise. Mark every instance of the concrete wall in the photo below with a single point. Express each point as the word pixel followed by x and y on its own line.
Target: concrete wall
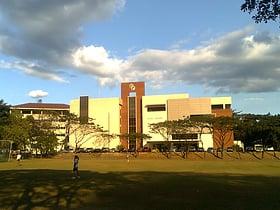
pixel 182 108
pixel 106 113
pixel 156 116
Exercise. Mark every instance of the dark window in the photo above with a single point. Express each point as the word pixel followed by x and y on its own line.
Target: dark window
pixel 156 108
pixel 132 115
pixel 184 136
pixel 217 106
pixel 84 109
pixel 228 106
pixel 36 111
pixel 26 111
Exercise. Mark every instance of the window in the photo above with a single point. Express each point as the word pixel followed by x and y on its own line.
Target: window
pixel 36 111
pixel 217 106
pixel 228 106
pixel 156 108
pixel 26 111
pixel 184 136
pixel 132 115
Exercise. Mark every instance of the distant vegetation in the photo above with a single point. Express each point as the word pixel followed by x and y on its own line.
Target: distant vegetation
pixel 251 129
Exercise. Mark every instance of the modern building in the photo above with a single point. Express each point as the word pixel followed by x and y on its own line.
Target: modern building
pixel 104 112
pixel 46 112
pixel 134 112
pixel 179 107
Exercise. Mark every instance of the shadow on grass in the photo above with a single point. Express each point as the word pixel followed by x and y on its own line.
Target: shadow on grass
pixel 55 189
pixel 232 156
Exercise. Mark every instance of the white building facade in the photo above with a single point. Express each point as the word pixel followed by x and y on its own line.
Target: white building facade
pixel 118 116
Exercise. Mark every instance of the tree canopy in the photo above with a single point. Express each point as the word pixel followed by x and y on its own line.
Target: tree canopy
pixel 262 10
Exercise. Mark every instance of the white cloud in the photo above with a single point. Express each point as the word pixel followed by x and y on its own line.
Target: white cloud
pixel 254 99
pixel 238 62
pixel 43 34
pixel 37 94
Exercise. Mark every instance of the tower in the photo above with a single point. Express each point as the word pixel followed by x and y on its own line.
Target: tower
pixel 131 112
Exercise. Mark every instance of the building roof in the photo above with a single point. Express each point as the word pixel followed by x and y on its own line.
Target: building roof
pixel 41 106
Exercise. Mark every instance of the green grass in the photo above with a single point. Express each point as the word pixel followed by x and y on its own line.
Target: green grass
pixel 140 184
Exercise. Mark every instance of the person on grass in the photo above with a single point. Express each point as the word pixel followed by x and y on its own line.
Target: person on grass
pixel 76 167
pixel 18 159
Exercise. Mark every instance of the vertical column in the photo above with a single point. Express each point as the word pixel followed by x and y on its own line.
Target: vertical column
pixel 84 109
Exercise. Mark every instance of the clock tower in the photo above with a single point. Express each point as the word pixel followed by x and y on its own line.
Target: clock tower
pixel 131 112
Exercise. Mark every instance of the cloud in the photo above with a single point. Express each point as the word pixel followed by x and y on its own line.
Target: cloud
pixel 43 34
pixel 43 39
pixel 37 94
pixel 254 99
pixel 236 62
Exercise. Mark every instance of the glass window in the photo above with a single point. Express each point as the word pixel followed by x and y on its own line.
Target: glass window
pixel 36 111
pixel 26 111
pixel 156 108
pixel 217 106
pixel 184 136
pixel 228 106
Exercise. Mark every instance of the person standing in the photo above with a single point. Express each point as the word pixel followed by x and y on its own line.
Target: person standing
pixel 18 159
pixel 76 167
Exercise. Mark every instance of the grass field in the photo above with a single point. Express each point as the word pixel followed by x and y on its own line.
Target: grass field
pixel 140 184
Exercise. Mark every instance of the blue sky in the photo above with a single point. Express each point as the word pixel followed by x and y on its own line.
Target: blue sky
pixel 59 50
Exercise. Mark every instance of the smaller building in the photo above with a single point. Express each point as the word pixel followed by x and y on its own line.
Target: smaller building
pixel 47 111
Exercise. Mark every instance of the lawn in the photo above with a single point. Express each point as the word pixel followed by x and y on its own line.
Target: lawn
pixel 140 184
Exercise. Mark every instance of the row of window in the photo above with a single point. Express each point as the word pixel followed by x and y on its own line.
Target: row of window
pixel 36 111
pixel 161 107
pixel 184 136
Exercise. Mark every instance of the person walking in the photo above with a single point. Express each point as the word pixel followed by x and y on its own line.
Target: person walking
pixel 76 167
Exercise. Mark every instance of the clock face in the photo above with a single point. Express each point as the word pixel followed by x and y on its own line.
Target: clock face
pixel 131 86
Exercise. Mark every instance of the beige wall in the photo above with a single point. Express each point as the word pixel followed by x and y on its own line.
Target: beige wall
pixel 106 113
pixel 158 116
pixel 221 100
pixel 182 108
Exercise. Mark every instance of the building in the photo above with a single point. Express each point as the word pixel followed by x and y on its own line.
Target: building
pixel 134 112
pixel 47 112
pixel 105 112
pixel 180 106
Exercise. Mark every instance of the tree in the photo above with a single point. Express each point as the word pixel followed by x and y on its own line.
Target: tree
pixel 179 129
pixel 17 130
pixel 263 10
pixel 260 129
pixel 4 116
pixel 134 137
pixel 82 131
pixel 42 138
pixel 204 124
pixel 223 131
pixel 165 129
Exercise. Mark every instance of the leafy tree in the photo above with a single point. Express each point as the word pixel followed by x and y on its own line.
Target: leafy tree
pixel 17 130
pixel 42 138
pixel 4 110
pixel 263 10
pixel 4 116
pixel 46 142
pixel 259 129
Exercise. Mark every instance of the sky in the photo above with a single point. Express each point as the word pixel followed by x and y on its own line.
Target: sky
pixel 59 50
